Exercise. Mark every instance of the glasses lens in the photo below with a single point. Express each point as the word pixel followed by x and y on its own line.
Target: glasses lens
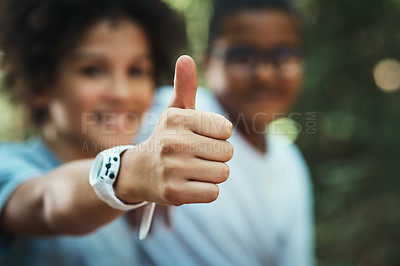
pixel 288 61
pixel 285 54
pixel 242 60
pixel 240 56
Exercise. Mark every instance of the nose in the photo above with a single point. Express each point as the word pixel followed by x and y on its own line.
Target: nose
pixel 266 72
pixel 119 88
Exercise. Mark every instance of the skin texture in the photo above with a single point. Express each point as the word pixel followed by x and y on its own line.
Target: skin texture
pixel 255 99
pixel 182 162
pixel 188 150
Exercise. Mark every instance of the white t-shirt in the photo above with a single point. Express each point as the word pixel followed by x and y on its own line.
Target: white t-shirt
pixel 263 215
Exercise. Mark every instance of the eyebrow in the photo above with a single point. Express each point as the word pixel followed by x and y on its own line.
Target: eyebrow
pixel 77 56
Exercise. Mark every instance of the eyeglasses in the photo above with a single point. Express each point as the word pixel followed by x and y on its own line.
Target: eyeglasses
pixel 245 59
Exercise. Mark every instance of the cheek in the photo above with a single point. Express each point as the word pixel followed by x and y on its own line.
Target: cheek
pixel 80 96
pixel 292 87
pixel 86 103
pixel 230 87
pixel 238 85
pixel 68 108
pixel 217 78
pixel 148 100
pixel 292 78
pixel 143 99
pixel 65 116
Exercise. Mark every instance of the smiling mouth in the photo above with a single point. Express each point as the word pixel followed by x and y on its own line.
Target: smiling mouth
pixel 266 95
pixel 114 114
pixel 115 120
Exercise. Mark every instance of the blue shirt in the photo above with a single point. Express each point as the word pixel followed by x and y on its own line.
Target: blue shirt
pixel 110 245
pixel 263 215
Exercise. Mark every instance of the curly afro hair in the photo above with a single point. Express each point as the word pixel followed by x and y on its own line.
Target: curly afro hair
pixel 36 35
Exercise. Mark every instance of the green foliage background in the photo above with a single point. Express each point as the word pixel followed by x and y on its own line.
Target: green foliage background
pixel 354 153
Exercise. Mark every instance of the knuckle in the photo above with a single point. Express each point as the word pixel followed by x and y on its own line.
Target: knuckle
pixel 213 193
pixel 168 144
pixel 229 150
pixel 166 170
pixel 228 128
pixel 174 118
pixel 222 126
pixel 170 193
pixel 172 168
pixel 221 121
pixel 217 118
pixel 225 172
pixel 163 118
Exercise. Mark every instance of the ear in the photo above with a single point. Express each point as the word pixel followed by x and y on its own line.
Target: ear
pixel 206 59
pixel 40 98
pixel 208 68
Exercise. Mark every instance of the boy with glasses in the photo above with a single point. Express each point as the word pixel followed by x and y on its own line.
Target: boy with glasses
pixel 263 215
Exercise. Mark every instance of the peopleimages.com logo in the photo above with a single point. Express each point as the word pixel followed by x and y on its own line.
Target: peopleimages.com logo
pixel 289 125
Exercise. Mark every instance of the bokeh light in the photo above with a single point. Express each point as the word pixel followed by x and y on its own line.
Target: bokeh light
pixel 283 131
pixel 387 75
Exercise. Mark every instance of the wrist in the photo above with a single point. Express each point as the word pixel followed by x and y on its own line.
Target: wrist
pixel 103 175
pixel 125 187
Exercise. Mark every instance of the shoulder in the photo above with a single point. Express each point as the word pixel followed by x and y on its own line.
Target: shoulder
pixel 25 157
pixel 292 162
pixel 31 150
pixel 288 154
pixel 17 151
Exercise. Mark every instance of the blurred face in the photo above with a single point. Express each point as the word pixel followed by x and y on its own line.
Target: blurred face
pixel 254 66
pixel 103 87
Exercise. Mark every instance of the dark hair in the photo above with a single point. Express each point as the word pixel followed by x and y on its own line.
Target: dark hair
pixel 225 8
pixel 36 35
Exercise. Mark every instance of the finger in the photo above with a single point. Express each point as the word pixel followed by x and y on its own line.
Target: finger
pixel 211 125
pixel 200 122
pixel 198 192
pixel 207 171
pixel 195 169
pixel 185 84
pixel 209 149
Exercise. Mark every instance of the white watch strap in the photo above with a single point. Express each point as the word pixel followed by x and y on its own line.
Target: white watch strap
pixel 103 175
pixel 145 223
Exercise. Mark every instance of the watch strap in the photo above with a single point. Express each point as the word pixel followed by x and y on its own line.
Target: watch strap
pixel 103 175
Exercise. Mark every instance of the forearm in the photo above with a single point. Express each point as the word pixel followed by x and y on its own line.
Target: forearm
pixel 62 202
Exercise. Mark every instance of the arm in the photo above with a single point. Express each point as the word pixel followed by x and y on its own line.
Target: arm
pixel 61 202
pixel 182 162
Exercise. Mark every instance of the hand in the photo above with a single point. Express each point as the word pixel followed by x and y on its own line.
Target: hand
pixel 184 159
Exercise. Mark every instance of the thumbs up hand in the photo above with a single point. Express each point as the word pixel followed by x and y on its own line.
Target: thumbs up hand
pixel 184 159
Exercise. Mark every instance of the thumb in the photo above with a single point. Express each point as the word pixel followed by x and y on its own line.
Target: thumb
pixel 185 84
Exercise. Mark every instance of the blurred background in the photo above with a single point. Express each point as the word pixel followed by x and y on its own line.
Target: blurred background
pixel 347 122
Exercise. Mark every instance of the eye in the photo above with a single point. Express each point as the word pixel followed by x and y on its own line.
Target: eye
pixel 240 56
pixel 142 71
pixel 92 71
pixel 243 59
pixel 286 54
pixel 136 71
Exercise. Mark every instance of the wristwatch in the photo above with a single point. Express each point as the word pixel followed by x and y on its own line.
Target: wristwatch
pixel 104 173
